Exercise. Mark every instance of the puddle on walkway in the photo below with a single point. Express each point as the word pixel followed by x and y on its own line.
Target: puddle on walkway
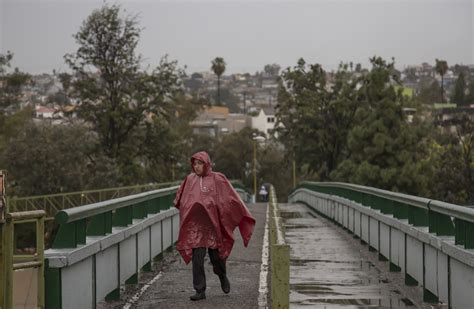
pixel 325 272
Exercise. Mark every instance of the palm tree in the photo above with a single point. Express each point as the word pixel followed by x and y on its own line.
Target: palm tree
pixel 218 67
pixel 441 68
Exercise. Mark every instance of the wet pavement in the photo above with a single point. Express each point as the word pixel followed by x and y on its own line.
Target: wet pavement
pixel 170 284
pixel 331 269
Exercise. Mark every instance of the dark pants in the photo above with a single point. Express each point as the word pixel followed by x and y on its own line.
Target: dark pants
pixel 199 275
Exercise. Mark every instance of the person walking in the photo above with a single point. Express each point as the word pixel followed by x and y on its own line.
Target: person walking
pixel 263 194
pixel 210 209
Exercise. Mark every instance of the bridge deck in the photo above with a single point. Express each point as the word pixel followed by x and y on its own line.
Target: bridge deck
pixel 331 269
pixel 174 284
pixel 328 269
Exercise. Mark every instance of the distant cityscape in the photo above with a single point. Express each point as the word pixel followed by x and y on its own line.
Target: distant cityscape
pixel 249 100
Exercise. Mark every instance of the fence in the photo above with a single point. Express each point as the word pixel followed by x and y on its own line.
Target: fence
pixel 54 203
pixel 430 241
pixel 100 246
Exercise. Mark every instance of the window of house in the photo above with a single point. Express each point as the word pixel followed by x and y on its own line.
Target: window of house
pixel 271 119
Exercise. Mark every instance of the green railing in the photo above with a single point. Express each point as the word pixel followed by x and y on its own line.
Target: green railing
pixel 442 219
pixel 279 256
pixel 54 203
pixel 97 219
pixel 11 262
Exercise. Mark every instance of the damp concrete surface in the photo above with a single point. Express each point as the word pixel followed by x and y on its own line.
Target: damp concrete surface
pixel 329 268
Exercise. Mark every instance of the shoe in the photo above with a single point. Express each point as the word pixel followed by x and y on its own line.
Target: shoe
pixel 225 284
pixel 198 296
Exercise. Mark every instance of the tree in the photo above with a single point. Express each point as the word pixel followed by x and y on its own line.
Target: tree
pixel 116 95
pixel 384 150
pixel 459 95
pixel 64 160
pixel 411 74
pixel 441 68
pixel 313 118
pixel 166 146
pixel 451 162
pixel 272 69
pixel 429 95
pixel 470 95
pixel 218 67
pixel 233 155
pixel 65 79
pixel 5 61
pixel 11 84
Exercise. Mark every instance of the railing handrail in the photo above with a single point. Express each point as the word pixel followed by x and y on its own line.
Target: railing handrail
pixel 35 197
pixel 81 212
pixel 444 208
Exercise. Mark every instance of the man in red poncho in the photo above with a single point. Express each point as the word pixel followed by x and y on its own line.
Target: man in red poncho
pixel 209 210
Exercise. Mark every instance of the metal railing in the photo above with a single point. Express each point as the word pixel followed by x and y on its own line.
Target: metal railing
pixel 442 219
pixel 54 203
pixel 97 219
pixel 12 262
pixel 279 256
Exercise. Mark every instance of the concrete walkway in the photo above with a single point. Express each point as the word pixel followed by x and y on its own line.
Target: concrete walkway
pixel 329 268
pixel 170 284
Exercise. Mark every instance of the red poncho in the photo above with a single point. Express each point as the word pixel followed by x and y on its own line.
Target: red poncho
pixel 210 210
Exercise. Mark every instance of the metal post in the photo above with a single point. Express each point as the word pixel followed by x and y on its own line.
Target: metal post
pixel 2 240
pixel 40 257
pixel 255 169
pixel 294 171
pixel 2 264
pixel 8 264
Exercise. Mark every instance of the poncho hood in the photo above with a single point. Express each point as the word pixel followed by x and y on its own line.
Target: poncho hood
pixel 204 157
pixel 210 209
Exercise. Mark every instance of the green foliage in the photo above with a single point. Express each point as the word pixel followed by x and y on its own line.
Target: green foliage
pixel 116 95
pixel 5 61
pixel 45 159
pixel 470 94
pixel 218 67
pixel 459 95
pixel 274 168
pixel 234 155
pixel 452 164
pixel 441 68
pixel 383 147
pixel 272 69
pixel 11 84
pixel 430 94
pixel 310 110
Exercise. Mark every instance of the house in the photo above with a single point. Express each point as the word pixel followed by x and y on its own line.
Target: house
pixel 44 112
pixel 216 121
pixel 265 121
pixel 447 117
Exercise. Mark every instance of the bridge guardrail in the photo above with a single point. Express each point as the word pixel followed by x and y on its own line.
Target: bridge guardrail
pixel 100 246
pixel 429 240
pixel 279 256
pixel 52 203
pixel 442 219
pixel 102 216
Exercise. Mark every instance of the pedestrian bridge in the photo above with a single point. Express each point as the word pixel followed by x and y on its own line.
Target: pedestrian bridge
pixel 332 245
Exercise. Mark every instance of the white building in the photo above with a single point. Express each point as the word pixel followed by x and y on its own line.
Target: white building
pixel 265 121
pixel 44 112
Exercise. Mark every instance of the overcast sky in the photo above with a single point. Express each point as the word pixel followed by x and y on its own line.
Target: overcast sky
pixel 250 34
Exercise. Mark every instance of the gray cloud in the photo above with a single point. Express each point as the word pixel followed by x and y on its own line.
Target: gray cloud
pixel 249 34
